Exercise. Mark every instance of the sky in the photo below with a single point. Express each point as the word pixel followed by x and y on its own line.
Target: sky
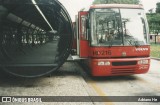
pixel 148 4
pixel 73 6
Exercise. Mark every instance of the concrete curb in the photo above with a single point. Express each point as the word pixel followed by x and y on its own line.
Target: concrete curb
pixel 155 58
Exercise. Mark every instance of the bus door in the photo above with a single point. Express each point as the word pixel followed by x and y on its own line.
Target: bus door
pixel 82 42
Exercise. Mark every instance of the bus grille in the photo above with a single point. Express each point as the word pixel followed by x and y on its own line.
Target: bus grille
pixel 126 63
pixel 122 71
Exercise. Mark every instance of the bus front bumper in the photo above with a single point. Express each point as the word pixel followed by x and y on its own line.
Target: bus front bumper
pixel 123 66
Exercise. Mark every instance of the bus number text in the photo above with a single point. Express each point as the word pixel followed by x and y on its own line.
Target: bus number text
pixel 102 52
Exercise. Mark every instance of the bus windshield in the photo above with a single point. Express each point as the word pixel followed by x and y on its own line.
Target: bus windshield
pixel 118 27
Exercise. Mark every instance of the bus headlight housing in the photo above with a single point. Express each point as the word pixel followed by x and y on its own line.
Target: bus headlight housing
pixel 107 63
pixel 100 63
pixel 104 63
pixel 144 61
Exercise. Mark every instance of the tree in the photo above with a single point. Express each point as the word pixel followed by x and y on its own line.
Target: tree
pixel 116 1
pixel 154 22
pixel 158 7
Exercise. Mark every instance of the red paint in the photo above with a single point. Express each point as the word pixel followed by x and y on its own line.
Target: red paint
pixel 117 70
pixel 84 48
pixel 130 51
pixel 123 59
pixel 84 44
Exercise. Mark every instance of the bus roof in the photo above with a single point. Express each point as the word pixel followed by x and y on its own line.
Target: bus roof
pixel 134 6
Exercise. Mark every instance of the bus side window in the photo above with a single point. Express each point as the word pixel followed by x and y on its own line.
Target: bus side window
pixel 83 28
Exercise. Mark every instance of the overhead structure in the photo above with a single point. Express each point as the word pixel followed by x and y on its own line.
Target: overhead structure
pixel 35 36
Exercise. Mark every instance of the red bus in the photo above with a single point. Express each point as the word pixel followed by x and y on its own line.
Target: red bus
pixel 113 39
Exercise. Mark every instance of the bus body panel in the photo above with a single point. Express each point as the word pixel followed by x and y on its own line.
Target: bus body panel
pixel 125 66
pixel 83 42
pixel 119 51
pixel 111 59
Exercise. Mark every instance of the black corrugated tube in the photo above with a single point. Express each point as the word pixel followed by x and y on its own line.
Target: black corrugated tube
pixel 35 36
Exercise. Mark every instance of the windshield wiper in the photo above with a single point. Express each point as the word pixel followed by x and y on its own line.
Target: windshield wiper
pixel 110 43
pixel 136 43
pixel 130 42
pixel 133 42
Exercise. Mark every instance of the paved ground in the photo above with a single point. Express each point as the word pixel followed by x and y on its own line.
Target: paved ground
pixel 136 85
pixel 71 80
pixel 65 82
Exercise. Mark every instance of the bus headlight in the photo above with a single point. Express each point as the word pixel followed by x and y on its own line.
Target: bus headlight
pixel 107 63
pixel 145 61
pixel 102 63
